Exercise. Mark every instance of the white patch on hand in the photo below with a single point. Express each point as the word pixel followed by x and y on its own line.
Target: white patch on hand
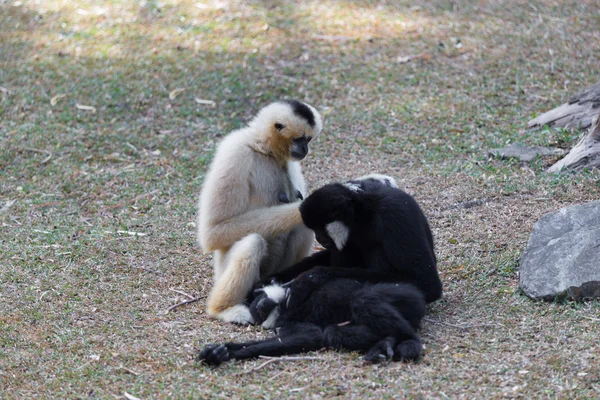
pixel 339 233
pixel 355 187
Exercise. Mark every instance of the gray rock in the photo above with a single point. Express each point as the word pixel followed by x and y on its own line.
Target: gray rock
pixel 562 258
pixel 524 153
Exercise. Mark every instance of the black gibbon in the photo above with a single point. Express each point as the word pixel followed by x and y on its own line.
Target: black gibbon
pixel 372 232
pixel 248 212
pixel 380 319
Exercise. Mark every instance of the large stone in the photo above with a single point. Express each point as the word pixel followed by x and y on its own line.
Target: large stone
pixel 562 258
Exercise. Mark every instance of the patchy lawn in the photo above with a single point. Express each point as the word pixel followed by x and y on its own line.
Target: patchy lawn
pixel 107 127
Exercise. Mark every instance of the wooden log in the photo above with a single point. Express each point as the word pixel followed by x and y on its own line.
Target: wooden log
pixel 577 113
pixel 586 154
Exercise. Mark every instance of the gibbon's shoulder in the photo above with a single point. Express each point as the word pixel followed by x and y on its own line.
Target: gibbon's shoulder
pixel 235 144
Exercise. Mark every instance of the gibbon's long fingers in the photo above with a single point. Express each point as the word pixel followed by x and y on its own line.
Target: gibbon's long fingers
pixel 267 222
pixel 241 271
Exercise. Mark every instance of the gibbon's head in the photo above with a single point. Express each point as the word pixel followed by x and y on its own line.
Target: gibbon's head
pixel 385 180
pixel 286 127
pixel 329 212
pixel 334 210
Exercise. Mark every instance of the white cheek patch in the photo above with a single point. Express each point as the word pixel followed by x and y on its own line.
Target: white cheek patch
pixel 339 233
pixel 355 187
pixel 275 293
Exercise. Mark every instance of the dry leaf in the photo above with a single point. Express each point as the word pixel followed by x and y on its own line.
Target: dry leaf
pixel 86 108
pixel 54 101
pixel 405 59
pixel 205 102
pixel 130 397
pixel 175 93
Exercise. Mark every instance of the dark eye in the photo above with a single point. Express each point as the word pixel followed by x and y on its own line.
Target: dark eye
pixel 279 126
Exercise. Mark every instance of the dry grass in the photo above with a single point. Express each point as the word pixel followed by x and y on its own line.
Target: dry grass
pixel 83 303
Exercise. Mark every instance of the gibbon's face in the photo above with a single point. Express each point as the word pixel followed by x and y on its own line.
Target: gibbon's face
pixel 293 124
pixel 324 239
pixel 299 147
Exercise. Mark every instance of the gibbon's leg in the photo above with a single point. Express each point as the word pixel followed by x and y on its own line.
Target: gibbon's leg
pixel 321 258
pixel 240 271
pixel 295 338
pixel 372 309
pixel 350 337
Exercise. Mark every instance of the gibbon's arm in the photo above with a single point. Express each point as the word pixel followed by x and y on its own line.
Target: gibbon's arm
pixel 318 259
pixel 225 214
pixel 266 221
pixel 296 338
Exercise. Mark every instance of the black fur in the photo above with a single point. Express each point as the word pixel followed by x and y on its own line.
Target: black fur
pixel 390 239
pixel 302 110
pixel 379 319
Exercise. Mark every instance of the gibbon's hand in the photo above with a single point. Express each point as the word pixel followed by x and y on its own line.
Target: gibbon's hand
pixel 261 307
pixel 214 354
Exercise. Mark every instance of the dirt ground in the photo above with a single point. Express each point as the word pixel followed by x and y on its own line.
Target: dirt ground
pixel 109 116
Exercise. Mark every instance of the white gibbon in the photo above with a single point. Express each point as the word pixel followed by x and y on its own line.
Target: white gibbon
pixel 248 213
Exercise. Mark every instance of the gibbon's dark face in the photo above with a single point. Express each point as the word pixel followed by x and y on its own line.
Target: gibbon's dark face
pixel 299 147
pixel 324 239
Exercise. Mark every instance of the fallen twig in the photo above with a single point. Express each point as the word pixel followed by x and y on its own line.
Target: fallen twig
pixel 45 160
pixel 192 300
pixel 132 372
pixel 590 318
pixel 141 196
pixel 277 359
pixel 461 326
pixel 183 293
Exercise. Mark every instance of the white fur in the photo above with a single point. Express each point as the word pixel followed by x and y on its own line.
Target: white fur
pixel 355 187
pixel 296 178
pixel 238 314
pixel 339 233
pixel 385 179
pixel 274 292
pixel 269 323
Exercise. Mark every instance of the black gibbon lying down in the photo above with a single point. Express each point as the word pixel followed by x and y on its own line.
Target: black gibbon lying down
pixel 379 319
pixel 372 232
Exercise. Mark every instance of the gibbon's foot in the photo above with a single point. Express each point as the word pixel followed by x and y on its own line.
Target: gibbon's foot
pixel 332 337
pixel 214 354
pixel 408 350
pixel 381 351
